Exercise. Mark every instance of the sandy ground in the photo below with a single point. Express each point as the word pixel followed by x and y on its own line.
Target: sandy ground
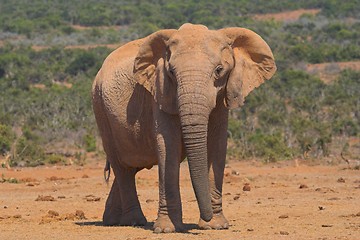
pixel 284 202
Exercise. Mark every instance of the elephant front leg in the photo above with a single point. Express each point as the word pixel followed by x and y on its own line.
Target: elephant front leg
pixel 217 144
pixel 170 211
pixel 169 153
pixel 218 221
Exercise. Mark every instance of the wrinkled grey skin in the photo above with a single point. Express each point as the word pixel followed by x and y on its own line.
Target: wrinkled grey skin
pixel 160 99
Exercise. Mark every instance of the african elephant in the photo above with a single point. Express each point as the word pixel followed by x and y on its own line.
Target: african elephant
pixel 165 97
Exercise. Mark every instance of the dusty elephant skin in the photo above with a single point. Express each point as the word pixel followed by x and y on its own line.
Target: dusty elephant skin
pixel 165 97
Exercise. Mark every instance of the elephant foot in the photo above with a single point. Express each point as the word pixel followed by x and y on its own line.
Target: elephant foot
pixel 163 224
pixel 217 222
pixel 112 216
pixel 133 218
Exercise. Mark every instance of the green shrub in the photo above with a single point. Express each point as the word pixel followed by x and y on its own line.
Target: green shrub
pixel 28 153
pixel 6 139
pixel 81 63
pixel 90 142
pixel 272 147
pixel 54 159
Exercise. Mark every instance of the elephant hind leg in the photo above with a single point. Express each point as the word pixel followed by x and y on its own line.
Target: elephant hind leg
pixel 132 214
pixel 122 206
pixel 113 211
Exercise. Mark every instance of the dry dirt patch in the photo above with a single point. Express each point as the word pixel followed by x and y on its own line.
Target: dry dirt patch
pixel 287 16
pixel 328 72
pixel 260 202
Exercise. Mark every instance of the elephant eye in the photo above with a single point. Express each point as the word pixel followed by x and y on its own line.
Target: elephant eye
pixel 218 70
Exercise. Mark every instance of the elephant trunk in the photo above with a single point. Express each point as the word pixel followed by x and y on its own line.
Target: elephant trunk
pixel 194 113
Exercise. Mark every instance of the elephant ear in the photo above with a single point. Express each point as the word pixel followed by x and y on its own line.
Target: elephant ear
pixel 149 70
pixel 254 63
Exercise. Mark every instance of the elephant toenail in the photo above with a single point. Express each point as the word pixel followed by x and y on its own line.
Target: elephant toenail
pixel 167 230
pixel 226 225
pixel 157 230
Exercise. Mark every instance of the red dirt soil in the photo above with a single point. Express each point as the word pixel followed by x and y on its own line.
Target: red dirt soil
pixel 284 202
pixel 328 72
pixel 287 16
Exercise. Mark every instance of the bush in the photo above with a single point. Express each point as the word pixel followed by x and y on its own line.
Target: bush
pixel 271 147
pixel 90 142
pixel 6 139
pixel 28 153
pixel 54 159
pixel 81 63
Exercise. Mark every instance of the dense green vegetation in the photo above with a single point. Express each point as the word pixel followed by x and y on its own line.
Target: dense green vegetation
pixel 45 101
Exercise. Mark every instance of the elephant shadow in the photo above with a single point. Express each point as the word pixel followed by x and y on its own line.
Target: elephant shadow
pixel 149 226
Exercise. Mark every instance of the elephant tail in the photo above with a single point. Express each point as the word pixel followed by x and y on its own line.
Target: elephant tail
pixel 107 172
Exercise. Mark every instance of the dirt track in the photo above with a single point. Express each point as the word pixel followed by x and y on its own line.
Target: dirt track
pixel 326 207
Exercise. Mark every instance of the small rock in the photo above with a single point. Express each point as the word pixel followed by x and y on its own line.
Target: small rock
pixel 95 199
pixel 61 197
pixel 54 178
pixel 236 197
pixel 149 200
pixel 326 225
pixel 283 216
pixel 85 176
pixel 246 187
pixel 324 190
pixel 250 229
pixel 284 233
pixel 45 198
pixel 5 207
pixel 358 214
pixel 341 180
pixel 303 186
pixel 234 172
pixel 52 213
pixel 92 198
pixel 69 216
pixel 17 216
pixel 80 214
pixel 321 208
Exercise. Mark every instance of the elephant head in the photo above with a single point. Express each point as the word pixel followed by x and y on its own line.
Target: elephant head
pixel 189 70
